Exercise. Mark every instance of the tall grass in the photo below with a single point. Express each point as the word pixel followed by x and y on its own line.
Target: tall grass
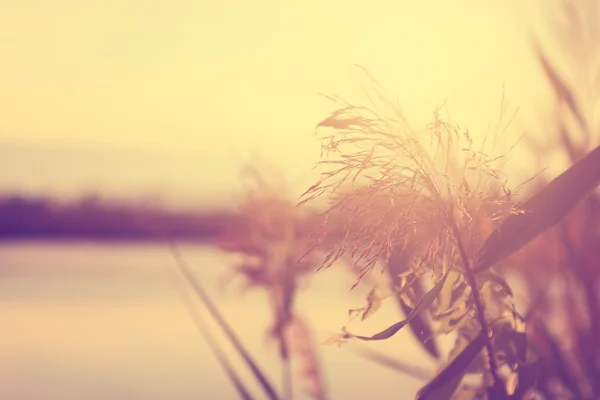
pixel 434 212
pixel 271 245
pixel 392 193
pixel 565 323
pixel 431 192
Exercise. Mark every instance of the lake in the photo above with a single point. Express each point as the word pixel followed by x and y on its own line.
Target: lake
pixel 99 321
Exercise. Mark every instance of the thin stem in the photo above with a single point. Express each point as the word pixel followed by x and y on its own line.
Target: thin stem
pixel 287 375
pixel 283 325
pixel 470 276
pixel 210 340
pixel 214 311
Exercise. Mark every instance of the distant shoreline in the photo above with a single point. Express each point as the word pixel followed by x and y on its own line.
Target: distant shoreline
pixel 39 219
pixel 8 239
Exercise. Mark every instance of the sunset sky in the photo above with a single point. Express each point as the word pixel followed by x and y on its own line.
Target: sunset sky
pixel 135 98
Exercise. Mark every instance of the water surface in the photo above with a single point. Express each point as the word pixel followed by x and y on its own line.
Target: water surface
pixel 98 321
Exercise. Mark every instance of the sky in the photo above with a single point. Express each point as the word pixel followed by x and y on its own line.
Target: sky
pixel 148 98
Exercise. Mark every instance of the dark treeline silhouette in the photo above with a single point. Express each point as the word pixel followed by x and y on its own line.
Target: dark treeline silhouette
pixel 90 218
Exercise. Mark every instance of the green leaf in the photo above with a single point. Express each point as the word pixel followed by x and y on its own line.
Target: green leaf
pixel 462 342
pixel 399 271
pixel 561 88
pixel 513 344
pixel 462 291
pixel 452 321
pixel 374 301
pixel 422 305
pixel 408 297
pixel 429 297
pixel 423 332
pixel 541 211
pixel 448 379
pixel 454 302
pixel 526 374
pixel 511 383
pixel 499 280
pixel 445 303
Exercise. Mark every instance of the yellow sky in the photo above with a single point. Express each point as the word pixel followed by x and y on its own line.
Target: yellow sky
pixel 133 96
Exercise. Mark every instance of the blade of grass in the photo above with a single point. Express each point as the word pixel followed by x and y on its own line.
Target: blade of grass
pixel 421 306
pixel 480 307
pixel 419 325
pixel 541 211
pixel 223 324
pixel 286 372
pixel 307 358
pixel 446 382
pixel 561 88
pixel 212 343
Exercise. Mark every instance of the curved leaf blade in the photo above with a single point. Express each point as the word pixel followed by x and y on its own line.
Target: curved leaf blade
pixel 419 325
pixel 447 381
pixel 422 305
pixel 542 211
pixel 558 83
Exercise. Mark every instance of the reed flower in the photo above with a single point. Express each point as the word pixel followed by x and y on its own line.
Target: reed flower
pixel 273 239
pixel 430 200
pixel 390 186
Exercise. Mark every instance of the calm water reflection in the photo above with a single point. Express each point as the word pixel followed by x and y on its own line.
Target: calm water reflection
pixel 99 321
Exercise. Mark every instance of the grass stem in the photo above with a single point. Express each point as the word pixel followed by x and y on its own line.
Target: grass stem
pixel 212 343
pixel 480 307
pixel 216 314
